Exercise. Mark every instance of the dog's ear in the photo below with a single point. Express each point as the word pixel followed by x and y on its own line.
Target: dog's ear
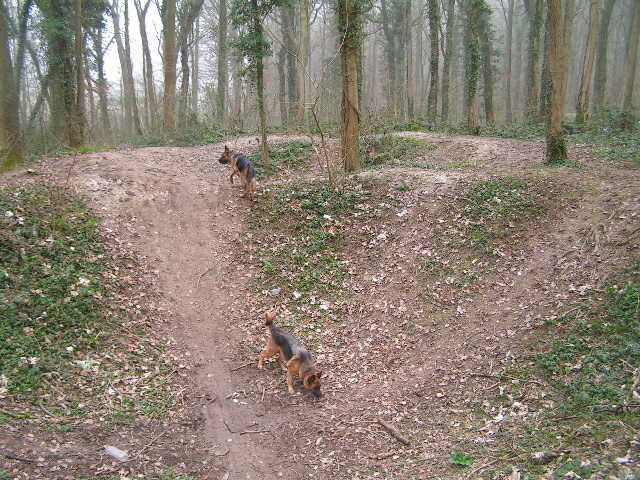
pixel 226 149
pixel 319 373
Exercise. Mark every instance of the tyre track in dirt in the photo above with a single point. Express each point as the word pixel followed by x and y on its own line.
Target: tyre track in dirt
pixel 177 209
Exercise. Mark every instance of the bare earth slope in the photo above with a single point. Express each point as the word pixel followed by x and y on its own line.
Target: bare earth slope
pixel 407 362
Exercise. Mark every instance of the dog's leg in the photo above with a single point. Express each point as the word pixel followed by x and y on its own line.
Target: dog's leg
pixel 290 380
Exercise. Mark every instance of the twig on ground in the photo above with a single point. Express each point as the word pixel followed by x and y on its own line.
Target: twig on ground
pixel 149 444
pixel 203 274
pixel 482 467
pixel 393 431
pixel 254 431
pixel 20 459
pixel 241 367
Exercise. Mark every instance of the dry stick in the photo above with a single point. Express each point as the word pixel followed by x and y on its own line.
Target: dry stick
pixel 393 431
pixel 241 367
pixel 482 467
pixel 148 444
pixel 203 274
pixel 21 459
pixel 254 431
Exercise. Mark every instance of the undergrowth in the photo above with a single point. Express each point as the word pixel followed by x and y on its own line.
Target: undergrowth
pixel 62 356
pixel 300 227
pixel 496 208
pixel 574 406
pixel 291 155
pixel 389 149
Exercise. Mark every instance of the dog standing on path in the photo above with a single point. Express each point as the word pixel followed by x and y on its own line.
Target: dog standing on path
pixel 241 166
pixel 292 357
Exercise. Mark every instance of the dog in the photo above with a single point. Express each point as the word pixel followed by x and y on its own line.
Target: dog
pixel 241 166
pixel 292 357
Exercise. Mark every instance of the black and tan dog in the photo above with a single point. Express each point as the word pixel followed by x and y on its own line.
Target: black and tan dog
pixel 241 166
pixel 292 357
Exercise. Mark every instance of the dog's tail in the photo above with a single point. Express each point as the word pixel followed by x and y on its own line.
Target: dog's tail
pixel 269 319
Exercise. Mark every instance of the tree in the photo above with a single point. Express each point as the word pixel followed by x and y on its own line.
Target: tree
pixel 170 56
pixel 600 80
pixel 149 82
pixel 448 54
pixel 132 114
pixel 486 48
pixel 582 106
pixel 534 9
pixel 223 70
pixel 434 33
pixel 632 62
pixel 10 133
pixel 473 11
pixel 287 22
pixel 508 19
pixel 556 146
pixel 304 42
pixel 350 13
pixel 188 14
pixel 252 45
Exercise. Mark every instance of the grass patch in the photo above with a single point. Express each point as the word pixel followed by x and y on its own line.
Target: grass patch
pixel 291 155
pixel 50 264
pixel 576 403
pixel 82 149
pixel 389 149
pixel 189 137
pixel 302 226
pixel 496 208
pixel 61 304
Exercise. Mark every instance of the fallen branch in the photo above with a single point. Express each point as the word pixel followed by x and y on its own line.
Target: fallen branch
pixel 253 431
pixel 482 467
pixel 20 459
pixel 241 367
pixel 203 274
pixel 394 432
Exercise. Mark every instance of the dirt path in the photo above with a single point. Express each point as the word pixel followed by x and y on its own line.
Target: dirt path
pixel 176 208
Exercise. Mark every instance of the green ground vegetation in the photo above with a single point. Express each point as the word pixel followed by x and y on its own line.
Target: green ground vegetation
pixel 285 156
pixel 573 406
pixel 62 355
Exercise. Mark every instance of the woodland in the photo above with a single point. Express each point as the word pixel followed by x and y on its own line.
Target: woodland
pixel 204 69
pixel 446 215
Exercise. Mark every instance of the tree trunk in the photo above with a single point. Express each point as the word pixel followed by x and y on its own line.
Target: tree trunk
pixel 11 146
pixel 507 61
pixel 149 82
pixel 236 110
pixel 101 83
pixel 195 70
pixel 600 81
pixel 545 77
pixel 632 62
pixel 132 117
pixel 303 58
pixel 76 137
pixel 169 62
pixel 472 10
pixel 287 15
pixel 223 71
pixel 484 35
pixel 434 34
pixel 446 70
pixel 282 86
pixel 556 147
pixel 183 99
pixel 534 14
pixel 350 29
pixel 582 106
